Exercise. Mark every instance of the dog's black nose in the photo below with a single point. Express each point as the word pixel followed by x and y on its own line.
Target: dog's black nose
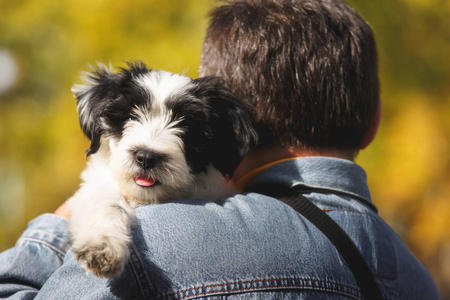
pixel 146 159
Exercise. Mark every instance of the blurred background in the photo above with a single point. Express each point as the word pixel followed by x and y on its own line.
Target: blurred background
pixel 44 44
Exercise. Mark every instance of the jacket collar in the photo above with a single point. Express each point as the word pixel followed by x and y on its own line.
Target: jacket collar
pixel 321 174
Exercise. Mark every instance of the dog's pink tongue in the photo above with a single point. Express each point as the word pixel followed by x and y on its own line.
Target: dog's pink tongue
pixel 145 181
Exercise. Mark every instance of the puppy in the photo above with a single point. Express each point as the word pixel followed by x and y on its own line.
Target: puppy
pixel 154 136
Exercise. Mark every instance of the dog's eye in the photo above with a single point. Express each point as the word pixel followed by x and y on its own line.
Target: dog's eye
pixel 116 119
pixel 132 118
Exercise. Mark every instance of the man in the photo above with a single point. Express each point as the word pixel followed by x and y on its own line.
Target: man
pixel 310 70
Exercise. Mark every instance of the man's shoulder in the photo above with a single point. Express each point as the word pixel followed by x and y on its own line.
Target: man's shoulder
pixel 253 241
pixel 240 213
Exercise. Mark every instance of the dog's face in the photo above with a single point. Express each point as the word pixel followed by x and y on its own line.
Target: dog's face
pixel 161 128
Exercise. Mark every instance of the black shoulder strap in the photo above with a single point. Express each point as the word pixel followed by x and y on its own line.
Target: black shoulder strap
pixel 341 241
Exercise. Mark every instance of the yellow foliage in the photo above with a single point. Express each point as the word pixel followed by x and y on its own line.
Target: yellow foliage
pixel 430 229
pixel 416 149
pixel 427 3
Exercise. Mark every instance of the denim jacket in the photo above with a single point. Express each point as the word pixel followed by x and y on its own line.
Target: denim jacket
pixel 249 246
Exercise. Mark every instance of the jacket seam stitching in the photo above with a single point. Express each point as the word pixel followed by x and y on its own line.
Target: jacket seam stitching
pixel 59 252
pixel 356 292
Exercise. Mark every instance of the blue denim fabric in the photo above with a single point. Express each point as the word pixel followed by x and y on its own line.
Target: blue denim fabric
pixel 249 246
pixel 37 254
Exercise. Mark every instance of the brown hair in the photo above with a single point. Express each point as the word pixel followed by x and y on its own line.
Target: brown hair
pixel 309 68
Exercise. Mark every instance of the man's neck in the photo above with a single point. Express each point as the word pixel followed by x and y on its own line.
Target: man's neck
pixel 261 157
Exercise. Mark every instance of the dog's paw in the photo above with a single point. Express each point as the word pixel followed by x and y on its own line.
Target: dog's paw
pixel 102 258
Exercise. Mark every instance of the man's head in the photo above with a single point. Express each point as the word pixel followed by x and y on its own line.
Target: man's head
pixel 309 68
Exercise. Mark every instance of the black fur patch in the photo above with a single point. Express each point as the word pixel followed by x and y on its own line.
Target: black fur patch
pixel 109 101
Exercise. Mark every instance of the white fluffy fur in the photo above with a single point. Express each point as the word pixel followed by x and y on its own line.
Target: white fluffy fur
pixel 101 219
pixel 103 208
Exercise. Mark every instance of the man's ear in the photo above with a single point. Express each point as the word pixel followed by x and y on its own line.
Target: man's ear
pixel 233 132
pixel 374 128
pixel 94 95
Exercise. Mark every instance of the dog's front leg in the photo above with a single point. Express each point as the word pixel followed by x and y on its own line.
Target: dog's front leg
pixel 100 229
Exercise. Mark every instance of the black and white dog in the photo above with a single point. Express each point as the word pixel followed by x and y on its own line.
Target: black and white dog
pixel 154 136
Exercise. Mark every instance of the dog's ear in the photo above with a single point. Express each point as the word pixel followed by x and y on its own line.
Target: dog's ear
pixel 99 89
pixel 231 125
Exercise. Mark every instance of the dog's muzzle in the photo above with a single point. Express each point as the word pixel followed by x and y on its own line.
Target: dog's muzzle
pixel 146 159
